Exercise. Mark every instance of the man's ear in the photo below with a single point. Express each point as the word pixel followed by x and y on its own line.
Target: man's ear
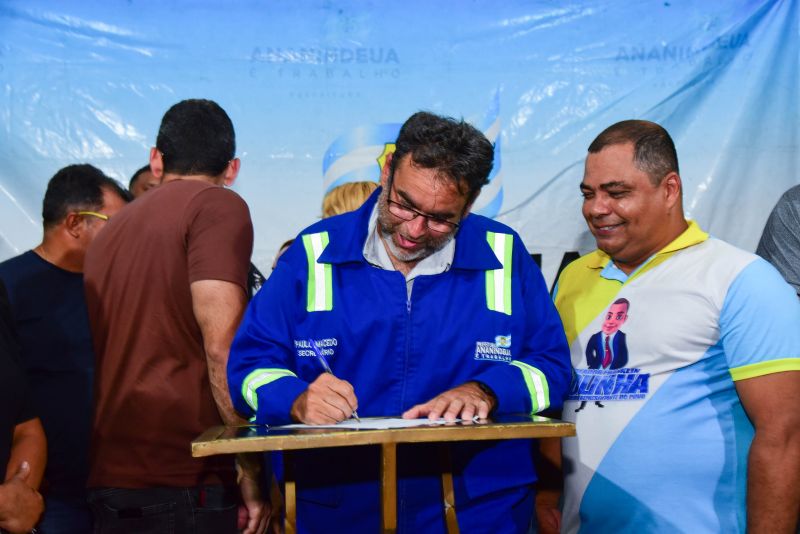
pixel 73 224
pixel 156 163
pixel 672 189
pixel 231 172
pixel 386 170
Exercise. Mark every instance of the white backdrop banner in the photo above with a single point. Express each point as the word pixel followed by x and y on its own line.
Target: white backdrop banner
pixel 317 88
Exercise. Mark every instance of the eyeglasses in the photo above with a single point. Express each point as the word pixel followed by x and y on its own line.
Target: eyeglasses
pixel 407 213
pixel 102 216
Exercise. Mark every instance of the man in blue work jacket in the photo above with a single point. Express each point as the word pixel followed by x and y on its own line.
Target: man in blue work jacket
pixel 422 311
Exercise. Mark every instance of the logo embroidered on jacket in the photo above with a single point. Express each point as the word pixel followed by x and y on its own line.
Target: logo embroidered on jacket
pixel 499 350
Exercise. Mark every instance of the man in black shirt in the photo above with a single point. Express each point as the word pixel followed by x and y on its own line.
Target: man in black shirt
pixel 22 444
pixel 45 289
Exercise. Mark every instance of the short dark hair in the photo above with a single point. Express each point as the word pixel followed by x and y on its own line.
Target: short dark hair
pixel 625 302
pixel 77 188
pixel 455 148
pixel 196 137
pixel 136 175
pixel 653 149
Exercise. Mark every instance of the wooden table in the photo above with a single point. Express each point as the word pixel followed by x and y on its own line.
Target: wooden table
pixel 230 440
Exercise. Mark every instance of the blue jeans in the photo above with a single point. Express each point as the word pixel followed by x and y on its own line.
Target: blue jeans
pixel 198 510
pixel 65 516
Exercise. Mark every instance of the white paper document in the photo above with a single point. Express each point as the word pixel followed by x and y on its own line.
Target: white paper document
pixel 377 423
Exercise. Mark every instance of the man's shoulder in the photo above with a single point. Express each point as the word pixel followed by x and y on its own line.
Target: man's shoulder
pixel 210 194
pixel 345 222
pixel 177 200
pixel 588 265
pixel 784 218
pixel 790 196
pixel 748 274
pixel 719 255
pixel 481 223
pixel 210 203
pixel 477 228
pixel 191 191
pixel 12 268
pixel 479 241
pixel 346 230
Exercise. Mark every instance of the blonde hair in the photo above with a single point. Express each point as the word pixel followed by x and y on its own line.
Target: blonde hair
pixel 346 197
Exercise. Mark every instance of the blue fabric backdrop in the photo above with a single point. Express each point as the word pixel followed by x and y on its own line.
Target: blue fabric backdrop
pixel 316 88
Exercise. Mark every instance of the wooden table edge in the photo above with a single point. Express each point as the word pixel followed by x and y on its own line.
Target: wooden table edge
pixel 210 443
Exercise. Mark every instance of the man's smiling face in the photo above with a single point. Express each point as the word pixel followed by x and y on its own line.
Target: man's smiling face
pixel 625 211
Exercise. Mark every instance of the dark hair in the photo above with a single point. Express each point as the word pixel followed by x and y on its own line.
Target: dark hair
pixel 625 302
pixel 76 188
pixel 653 149
pixel 136 175
pixel 456 149
pixel 196 137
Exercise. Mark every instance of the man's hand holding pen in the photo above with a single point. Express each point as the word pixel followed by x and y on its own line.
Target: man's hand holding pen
pixel 327 400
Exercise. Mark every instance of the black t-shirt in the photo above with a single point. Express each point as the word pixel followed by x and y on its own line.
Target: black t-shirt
pixel 49 310
pixel 14 405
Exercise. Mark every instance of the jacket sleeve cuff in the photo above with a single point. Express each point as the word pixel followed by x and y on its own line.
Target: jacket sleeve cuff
pixel 512 390
pixel 275 400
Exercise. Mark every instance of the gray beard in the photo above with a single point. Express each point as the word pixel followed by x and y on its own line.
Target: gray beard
pixel 403 255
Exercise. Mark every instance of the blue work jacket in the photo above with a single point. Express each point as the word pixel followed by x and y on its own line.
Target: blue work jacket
pixel 488 318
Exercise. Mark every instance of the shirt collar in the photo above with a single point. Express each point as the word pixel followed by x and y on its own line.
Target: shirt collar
pixel 374 251
pixel 598 259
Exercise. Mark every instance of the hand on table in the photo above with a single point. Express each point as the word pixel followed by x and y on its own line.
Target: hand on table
pixel 462 402
pixel 327 400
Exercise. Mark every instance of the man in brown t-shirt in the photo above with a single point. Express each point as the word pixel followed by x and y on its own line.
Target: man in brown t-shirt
pixel 165 289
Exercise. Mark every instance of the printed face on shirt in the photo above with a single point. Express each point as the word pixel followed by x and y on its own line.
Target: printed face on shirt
pixel 627 214
pixel 425 191
pixel 616 316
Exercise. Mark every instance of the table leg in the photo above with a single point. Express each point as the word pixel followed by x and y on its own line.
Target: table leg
pixel 389 487
pixel 448 491
pixel 290 492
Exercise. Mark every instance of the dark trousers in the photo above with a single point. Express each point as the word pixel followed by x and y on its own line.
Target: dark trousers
pixel 65 516
pixel 199 510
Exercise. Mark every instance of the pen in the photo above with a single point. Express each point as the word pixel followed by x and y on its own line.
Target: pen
pixel 324 362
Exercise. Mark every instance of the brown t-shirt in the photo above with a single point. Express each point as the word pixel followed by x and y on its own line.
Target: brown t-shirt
pixel 152 392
